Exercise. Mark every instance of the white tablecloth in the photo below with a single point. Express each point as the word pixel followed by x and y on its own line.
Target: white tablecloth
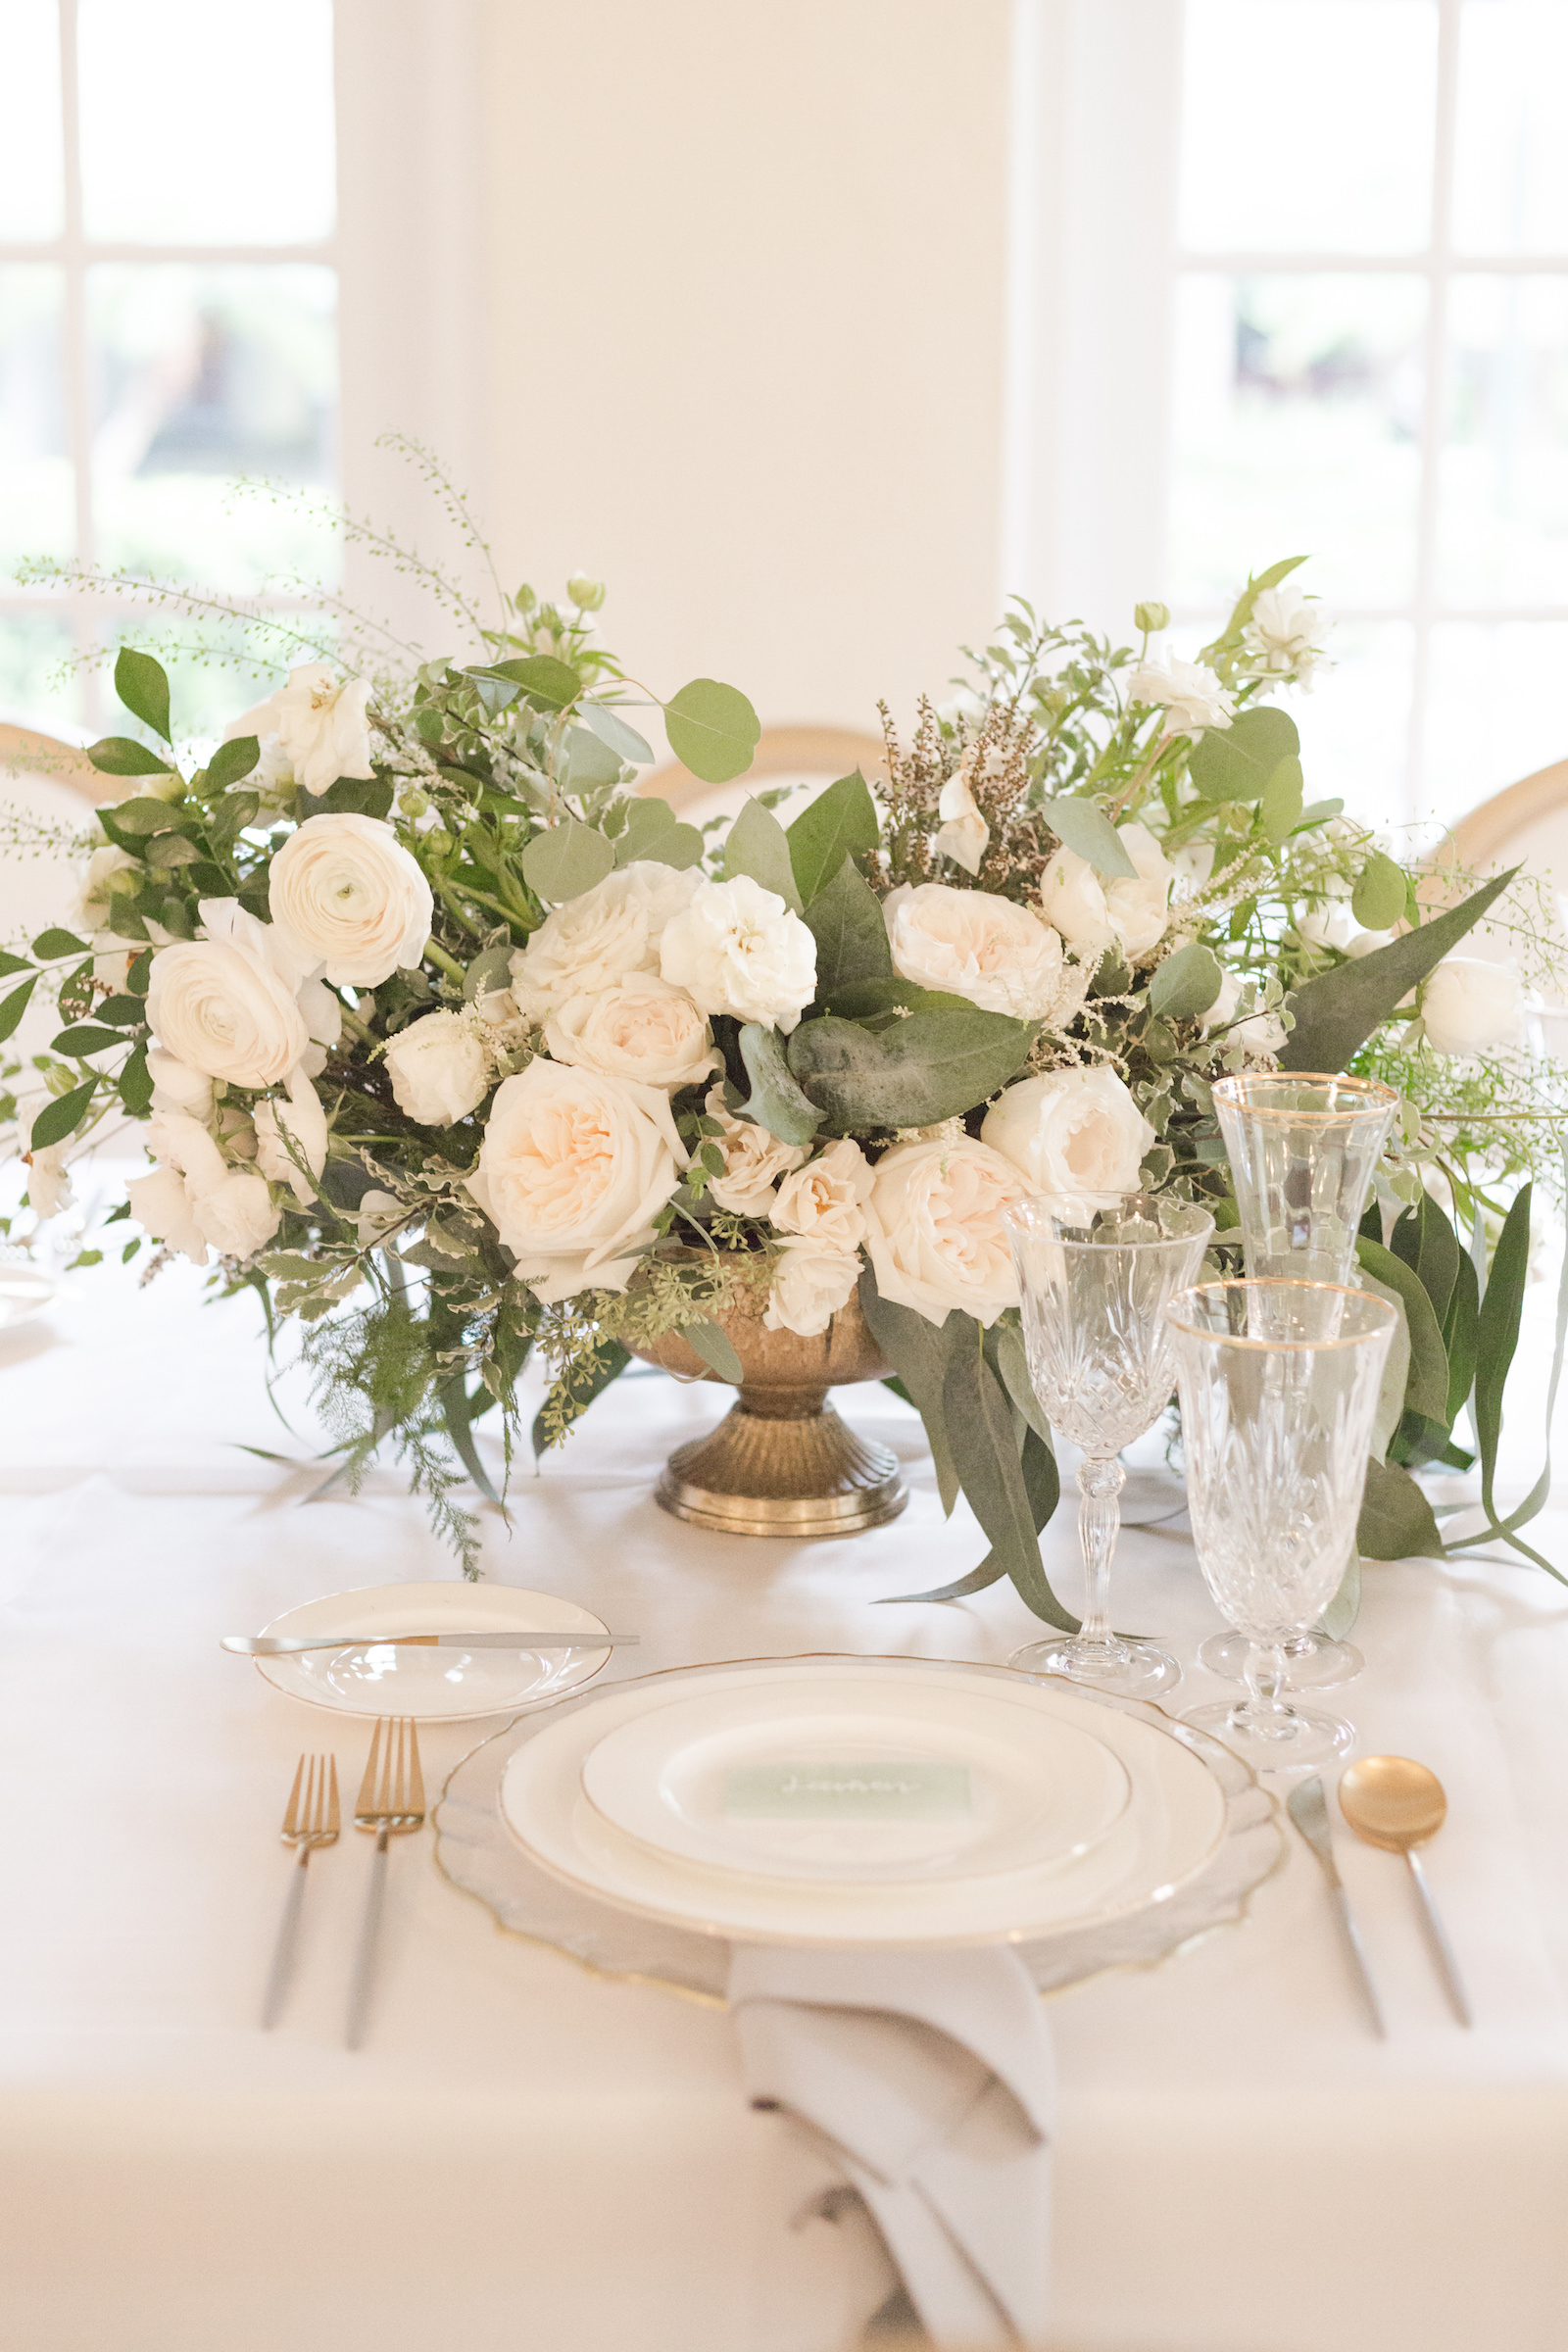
pixel 529 2156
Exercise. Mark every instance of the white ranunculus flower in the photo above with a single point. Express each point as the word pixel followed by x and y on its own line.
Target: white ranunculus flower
pixel 572 1171
pixel 1077 1134
pixel 599 938
pixel 964 835
pixel 934 1228
pixel 826 1199
pixel 194 1198
pixel 176 1088
pixel 347 895
pixel 439 1068
pixel 289 1132
pixel 94 909
pixel 320 728
pixel 1469 1006
pixel 970 943
pixel 642 1028
pixel 738 948
pixel 1285 635
pixel 754 1162
pixel 1072 897
pixel 812 1280
pixel 227 1004
pixel 1188 692
pixel 1140 910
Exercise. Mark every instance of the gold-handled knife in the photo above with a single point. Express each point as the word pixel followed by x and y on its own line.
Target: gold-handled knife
pixel 1308 1808
pixel 283 1646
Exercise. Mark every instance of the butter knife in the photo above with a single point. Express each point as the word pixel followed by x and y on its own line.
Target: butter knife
pixel 1308 1808
pixel 282 1645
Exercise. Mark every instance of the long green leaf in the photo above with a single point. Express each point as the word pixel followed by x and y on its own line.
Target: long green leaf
pixel 1396 1521
pixel 1460 1335
pixel 919 1353
pixel 1428 1244
pixel 456 1412
pixel 980 1430
pixel 1337 1013
pixel 1428 1388
pixel 1497 1339
pixel 776 1102
pixel 143 685
pixel 63 1116
pixel 15 1006
pixel 1043 1488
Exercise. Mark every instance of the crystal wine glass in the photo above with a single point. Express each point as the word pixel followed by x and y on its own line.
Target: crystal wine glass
pixel 1304 1146
pixel 1279 1387
pixel 1095 1275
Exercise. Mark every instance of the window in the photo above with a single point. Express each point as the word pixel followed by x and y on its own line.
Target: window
pixel 1370 339
pixel 168 317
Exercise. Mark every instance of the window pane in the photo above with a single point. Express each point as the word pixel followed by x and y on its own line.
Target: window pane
pixel 31 175
pixel 206 125
pixel 201 377
pixel 34 649
pixel 1502 528
pixel 1356 723
pixel 1298 432
pixel 36 482
pixel 1494 709
pixel 1307 126
pixel 1510 192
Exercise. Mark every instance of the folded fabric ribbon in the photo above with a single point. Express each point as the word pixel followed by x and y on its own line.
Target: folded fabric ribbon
pixel 931 2074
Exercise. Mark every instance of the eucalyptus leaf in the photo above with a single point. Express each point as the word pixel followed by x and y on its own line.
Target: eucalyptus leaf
pixel 1427 1390
pixel 168 850
pixel 916 1073
pixel 978 1415
pixel 589 764
pixel 1012 1362
pixel 919 1351
pixel 1338 1012
pixel 777 1103
pixel 1319 813
pixel 544 679
pixel 1280 809
pixel 143 685
pixel 1497 1336
pixel 123 756
pixel 758 846
pixel 458 1414
pixel 713 730
pixel 1428 1244
pixel 1378 899
pixel 1236 762
pixel 566 860
pixel 1088 832
pixel 846 922
pixel 1396 1369
pixel 1187 983
pixel 839 822
pixel 713 1345
pixel 611 729
pixel 1397 1521
pixel 873 999
pixel 491 969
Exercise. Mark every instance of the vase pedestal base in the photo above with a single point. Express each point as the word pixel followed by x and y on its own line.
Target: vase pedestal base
pixel 804 1476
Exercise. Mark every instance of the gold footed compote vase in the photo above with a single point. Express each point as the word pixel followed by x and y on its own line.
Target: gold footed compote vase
pixel 782 1462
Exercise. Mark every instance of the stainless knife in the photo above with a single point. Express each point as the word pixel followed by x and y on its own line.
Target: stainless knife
pixel 281 1645
pixel 1308 1808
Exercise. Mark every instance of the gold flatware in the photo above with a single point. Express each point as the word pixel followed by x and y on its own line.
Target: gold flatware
pixel 1397 1804
pixel 285 1646
pixel 390 1804
pixel 1308 1808
pixel 311 1820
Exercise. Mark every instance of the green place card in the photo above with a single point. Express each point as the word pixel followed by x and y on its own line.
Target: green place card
pixel 846 1791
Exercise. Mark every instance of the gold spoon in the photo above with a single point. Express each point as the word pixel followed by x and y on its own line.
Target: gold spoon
pixel 1399 1805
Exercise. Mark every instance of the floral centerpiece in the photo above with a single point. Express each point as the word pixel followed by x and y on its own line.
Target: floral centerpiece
pixel 458 1049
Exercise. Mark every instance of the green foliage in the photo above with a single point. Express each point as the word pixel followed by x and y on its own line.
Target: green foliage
pixel 611 729
pixel 776 1102
pixel 757 845
pixel 840 823
pixel 652 830
pixel 1337 1013
pixel 1088 832
pixel 232 762
pixel 566 860
pixel 1186 984
pixel 914 1073
pixel 1241 762
pixel 143 685
pixel 63 1116
pixel 123 756
pixel 713 730
pixel 1378 901
pixel 847 923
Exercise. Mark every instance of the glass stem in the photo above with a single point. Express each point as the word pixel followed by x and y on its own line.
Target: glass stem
pixel 1100 1484
pixel 1267 1666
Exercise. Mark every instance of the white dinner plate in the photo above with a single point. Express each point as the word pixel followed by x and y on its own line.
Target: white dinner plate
pixel 438 1685
pixel 23 1292
pixel 1173 1822
pixel 862 1780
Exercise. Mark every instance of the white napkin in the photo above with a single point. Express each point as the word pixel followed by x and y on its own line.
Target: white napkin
pixel 931 2073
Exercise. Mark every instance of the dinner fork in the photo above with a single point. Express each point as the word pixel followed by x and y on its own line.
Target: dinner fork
pixel 311 1820
pixel 390 1804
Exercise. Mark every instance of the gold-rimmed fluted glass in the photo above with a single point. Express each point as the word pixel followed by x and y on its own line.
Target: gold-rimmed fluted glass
pixel 1279 1387
pixel 1095 1276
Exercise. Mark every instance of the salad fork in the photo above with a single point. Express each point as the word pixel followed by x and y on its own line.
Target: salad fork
pixel 311 1820
pixel 390 1804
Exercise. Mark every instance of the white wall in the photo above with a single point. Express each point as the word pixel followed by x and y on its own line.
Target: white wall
pixel 744 296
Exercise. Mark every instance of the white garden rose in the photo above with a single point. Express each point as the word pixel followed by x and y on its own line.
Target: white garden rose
pixel 754 1162
pixel 970 943
pixel 812 1280
pixel 934 1228
pixel 227 1006
pixel 963 834
pixel 825 1201
pixel 439 1068
pixel 572 1171
pixel 1140 909
pixel 1283 636
pixel 642 1028
pixel 1188 692
pixel 1469 1006
pixel 1073 1133
pixel 320 727
pixel 1072 900
pixel 194 1197
pixel 289 1132
pixel 738 948
pixel 347 896
pixel 599 938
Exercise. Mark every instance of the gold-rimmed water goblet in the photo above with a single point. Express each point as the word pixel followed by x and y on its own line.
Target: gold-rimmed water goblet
pixel 1303 1147
pixel 1279 1387
pixel 1095 1274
